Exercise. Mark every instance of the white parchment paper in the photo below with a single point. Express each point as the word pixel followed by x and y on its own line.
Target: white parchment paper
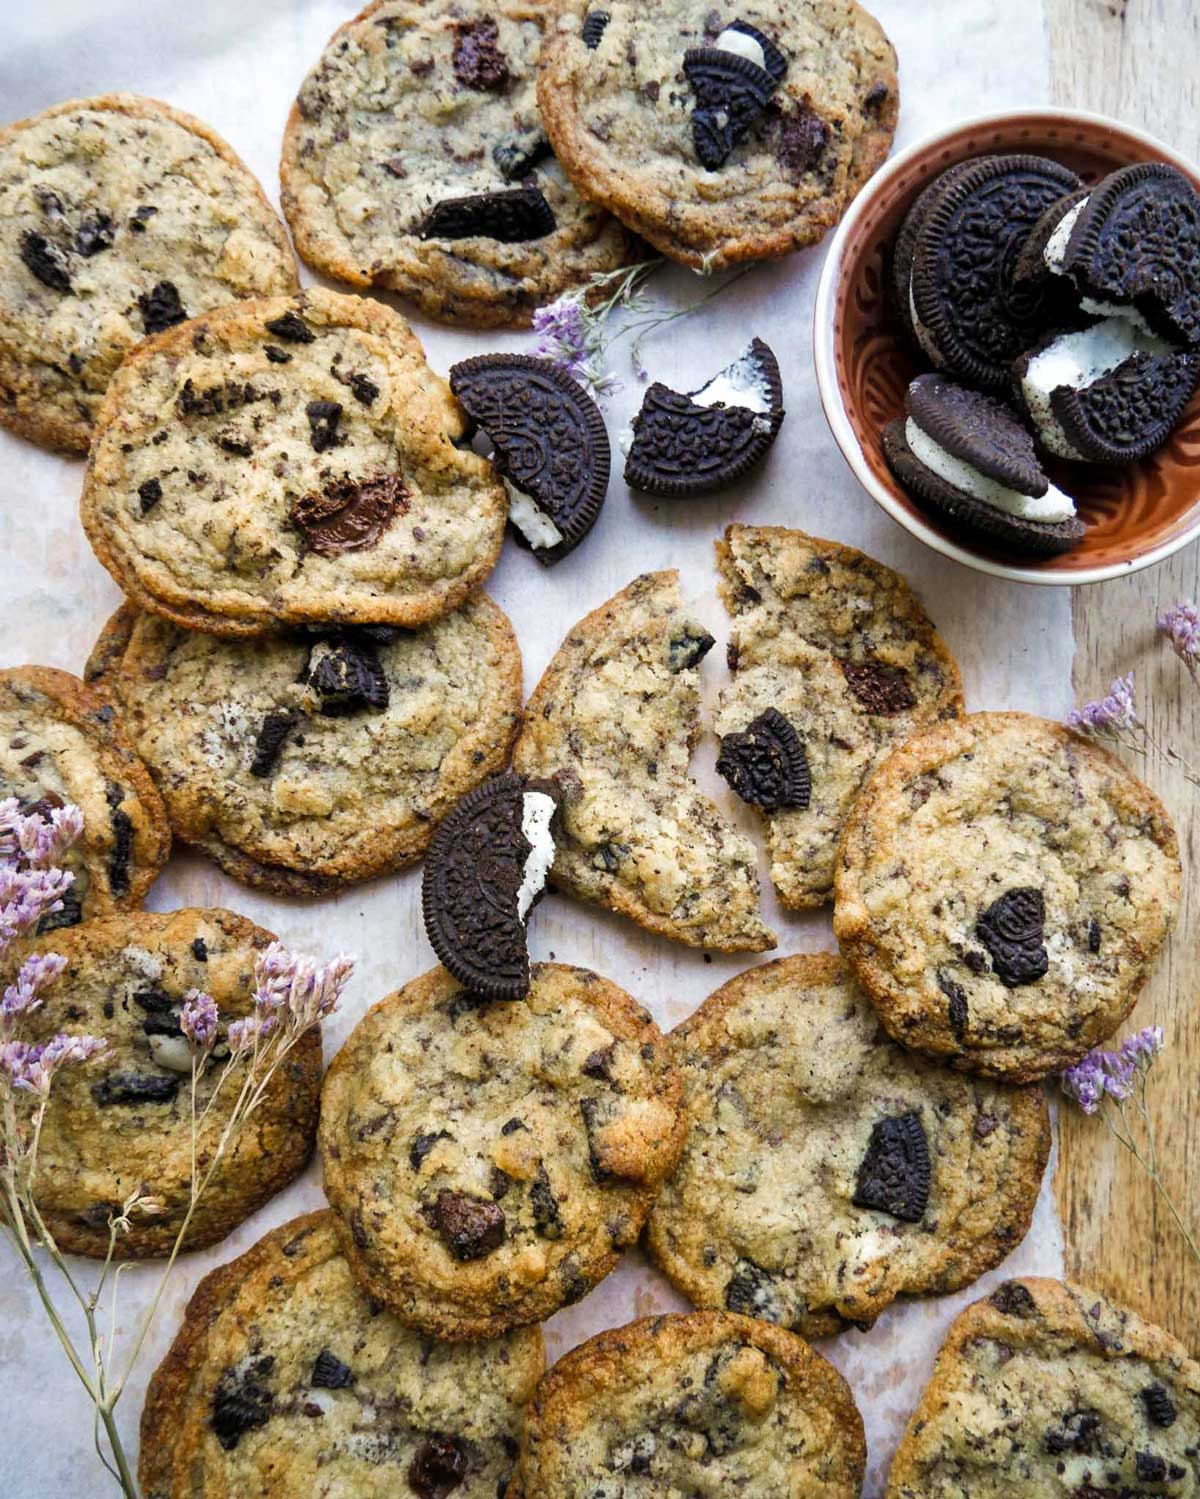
pixel 237 64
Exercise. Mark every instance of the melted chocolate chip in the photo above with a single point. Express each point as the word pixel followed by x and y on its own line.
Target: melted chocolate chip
pixel 881 689
pixel 478 61
pixel 438 1467
pixel 895 1174
pixel 350 515
pixel 469 1227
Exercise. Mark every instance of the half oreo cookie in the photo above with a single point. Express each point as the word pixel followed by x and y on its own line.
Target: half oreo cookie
pixel 549 443
pixel 696 443
pixel 967 457
pixel 733 80
pixel 905 244
pixel 511 217
pixel 486 865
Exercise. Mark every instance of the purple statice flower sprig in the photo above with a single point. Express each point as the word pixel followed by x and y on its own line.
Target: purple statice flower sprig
pixel 1115 718
pixel 1181 626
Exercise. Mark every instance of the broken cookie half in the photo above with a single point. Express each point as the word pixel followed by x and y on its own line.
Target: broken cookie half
pixel 612 724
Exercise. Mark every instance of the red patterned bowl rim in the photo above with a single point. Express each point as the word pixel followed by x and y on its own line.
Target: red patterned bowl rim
pixel 825 354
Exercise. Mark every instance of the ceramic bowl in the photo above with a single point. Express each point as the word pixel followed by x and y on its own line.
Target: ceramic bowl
pixel 1136 515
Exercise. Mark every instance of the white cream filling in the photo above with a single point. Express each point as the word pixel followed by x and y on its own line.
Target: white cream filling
pixel 732 40
pixel 1076 361
pixel 533 523
pixel 1056 246
pixel 537 811
pixel 1052 507
pixel 743 383
pixel 171 1052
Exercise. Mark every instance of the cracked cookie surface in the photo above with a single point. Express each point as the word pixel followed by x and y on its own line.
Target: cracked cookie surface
pixel 286 461
pixel 706 1404
pixel 621 115
pixel 412 105
pixel 789 1085
pixel 105 203
pixel 1003 889
pixel 1045 1389
pixel 490 1160
pixel 60 742
pixel 122 1123
pixel 613 722
pixel 286 1379
pixel 840 645
pixel 295 790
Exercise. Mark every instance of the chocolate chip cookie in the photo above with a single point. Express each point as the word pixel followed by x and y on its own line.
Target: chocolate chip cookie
pixel 415 159
pixel 720 134
pixel 836 652
pixel 827 1170
pixel 1046 1389
pixel 613 722
pixel 285 1379
pixel 701 1404
pixel 122 1123
pixel 489 1160
pixel 1003 889
pixel 122 216
pixel 289 461
pixel 305 760
pixel 60 742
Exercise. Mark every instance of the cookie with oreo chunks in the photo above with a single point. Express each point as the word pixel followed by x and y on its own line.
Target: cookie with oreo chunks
pixel 549 443
pixel 307 760
pixel 720 137
pixel 837 655
pixel 61 742
pixel 123 1123
pixel 485 868
pixel 969 316
pixel 1107 1403
pixel 415 160
pixel 967 457
pixel 488 1161
pixel 281 1364
pixel 702 441
pixel 903 1177
pixel 702 1403
pixel 233 491
pixel 122 216
pixel 1003 893
pixel 613 723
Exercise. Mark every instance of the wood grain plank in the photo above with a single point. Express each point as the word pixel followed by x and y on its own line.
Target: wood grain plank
pixel 1136 61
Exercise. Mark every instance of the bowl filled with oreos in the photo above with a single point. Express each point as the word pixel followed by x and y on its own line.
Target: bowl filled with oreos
pixel 1007 345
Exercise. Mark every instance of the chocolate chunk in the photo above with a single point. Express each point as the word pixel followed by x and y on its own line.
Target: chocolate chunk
pixel 876 95
pixel 134 1087
pixel 589 1108
pixel 801 144
pixel 350 515
pixel 1012 1299
pixel 895 1174
pixel 438 1467
pixel 200 950
pixel 687 648
pixel 516 158
pixel 347 675
pixel 276 355
pixel 1160 1408
pixel 95 233
pixel 329 1373
pixel 232 442
pixel 470 1228
pixel 766 763
pixel 731 95
pixel 423 1144
pixel 242 1401
pixel 754 1292
pixel 546 1213
pixel 881 689
pixel 46 260
pixel 510 217
pixel 268 744
pixel 292 328
pixel 149 493
pixel 478 61
pixel 594 24
pixel 323 419
pixel 599 1063
pixel 121 852
pixel 958 1013
pixel 1150 1467
pixel 1012 929
pixel 161 307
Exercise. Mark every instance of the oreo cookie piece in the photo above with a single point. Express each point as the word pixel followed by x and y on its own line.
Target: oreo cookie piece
pixel 766 763
pixel 1041 254
pixel 1109 393
pixel 549 442
pixel 900 268
pixel 733 82
pixel 895 1174
pixel 512 217
pixel 1132 246
pixel 486 866
pixel 966 456
pixel 969 314
pixel 696 443
pixel 346 676
pixel 594 24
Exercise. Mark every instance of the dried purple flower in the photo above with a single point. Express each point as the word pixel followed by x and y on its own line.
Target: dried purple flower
pixel 198 1020
pixel 35 841
pixel 1181 626
pixel 1112 1074
pixel 299 987
pixel 35 974
pixel 1110 714
pixel 1085 1082
pixel 32 1068
pixel 26 895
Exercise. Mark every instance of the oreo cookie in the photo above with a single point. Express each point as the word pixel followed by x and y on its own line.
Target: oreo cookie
pixel 968 313
pixel 696 443
pixel 901 265
pixel 766 764
pixel 1040 261
pixel 1108 393
pixel 486 866
pixel 549 442
pixel 967 457
pixel 733 81
pixel 511 217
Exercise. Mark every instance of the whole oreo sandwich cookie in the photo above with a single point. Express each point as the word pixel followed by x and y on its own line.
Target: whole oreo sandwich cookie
pixel 906 242
pixel 1109 393
pixel 486 866
pixel 696 443
pixel 968 314
pixel 967 457
pixel 550 446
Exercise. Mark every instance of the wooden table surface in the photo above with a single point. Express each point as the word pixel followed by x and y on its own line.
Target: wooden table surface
pixel 1138 62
